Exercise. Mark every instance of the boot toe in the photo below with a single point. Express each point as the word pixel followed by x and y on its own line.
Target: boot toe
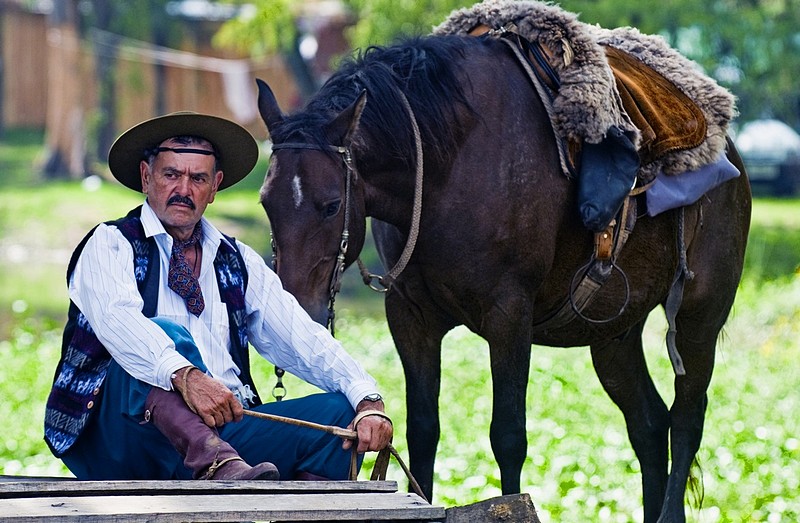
pixel 239 470
pixel 264 471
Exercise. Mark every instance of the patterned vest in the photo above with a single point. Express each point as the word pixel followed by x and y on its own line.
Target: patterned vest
pixel 80 373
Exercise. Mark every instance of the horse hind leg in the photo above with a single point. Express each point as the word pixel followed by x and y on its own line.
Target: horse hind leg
pixel 621 367
pixel 696 343
pixel 716 256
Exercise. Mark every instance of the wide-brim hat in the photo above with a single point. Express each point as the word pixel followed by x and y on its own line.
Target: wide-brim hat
pixel 236 148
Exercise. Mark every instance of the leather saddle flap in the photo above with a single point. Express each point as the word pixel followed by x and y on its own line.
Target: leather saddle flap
pixel 667 118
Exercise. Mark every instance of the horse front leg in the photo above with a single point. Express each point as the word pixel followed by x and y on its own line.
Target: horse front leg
pixel 622 370
pixel 418 339
pixel 507 433
pixel 510 351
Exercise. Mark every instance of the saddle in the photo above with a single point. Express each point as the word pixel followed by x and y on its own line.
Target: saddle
pixel 668 119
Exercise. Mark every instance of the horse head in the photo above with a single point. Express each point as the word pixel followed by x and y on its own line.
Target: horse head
pixel 314 200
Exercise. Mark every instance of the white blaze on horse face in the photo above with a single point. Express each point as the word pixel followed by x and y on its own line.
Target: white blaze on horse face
pixel 297 192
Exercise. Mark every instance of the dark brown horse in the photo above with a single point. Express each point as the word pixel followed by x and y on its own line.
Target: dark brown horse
pixel 499 242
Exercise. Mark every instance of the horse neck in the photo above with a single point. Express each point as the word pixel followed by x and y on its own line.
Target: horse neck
pixel 388 190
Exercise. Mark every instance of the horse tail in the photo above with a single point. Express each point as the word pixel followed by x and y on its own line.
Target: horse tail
pixel 695 491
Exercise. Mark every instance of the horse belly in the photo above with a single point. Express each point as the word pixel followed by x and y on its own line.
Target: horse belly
pixel 639 282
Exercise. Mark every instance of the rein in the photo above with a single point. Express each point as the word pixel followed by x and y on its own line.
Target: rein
pixel 389 278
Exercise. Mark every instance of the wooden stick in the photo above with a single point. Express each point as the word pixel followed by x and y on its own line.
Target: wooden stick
pixel 330 429
pixel 347 434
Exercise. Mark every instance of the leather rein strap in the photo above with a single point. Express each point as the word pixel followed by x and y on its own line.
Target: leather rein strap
pixel 389 278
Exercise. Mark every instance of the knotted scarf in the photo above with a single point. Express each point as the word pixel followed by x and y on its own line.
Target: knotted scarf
pixel 181 277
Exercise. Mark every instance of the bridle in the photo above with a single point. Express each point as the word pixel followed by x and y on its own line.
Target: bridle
pixel 279 390
pixel 389 278
pixel 350 173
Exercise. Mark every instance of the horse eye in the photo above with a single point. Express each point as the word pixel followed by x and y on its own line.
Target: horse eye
pixel 331 209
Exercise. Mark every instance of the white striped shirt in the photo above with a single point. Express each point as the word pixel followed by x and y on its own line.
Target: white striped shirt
pixel 104 289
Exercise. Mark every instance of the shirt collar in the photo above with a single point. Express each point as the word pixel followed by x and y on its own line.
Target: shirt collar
pixel 153 227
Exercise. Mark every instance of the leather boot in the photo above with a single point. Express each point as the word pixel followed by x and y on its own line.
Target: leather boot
pixel 203 451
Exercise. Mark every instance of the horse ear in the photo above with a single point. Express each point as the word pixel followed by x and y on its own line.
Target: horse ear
pixel 343 127
pixel 268 105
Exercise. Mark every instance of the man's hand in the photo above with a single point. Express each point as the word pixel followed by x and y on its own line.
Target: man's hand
pixel 211 400
pixel 374 432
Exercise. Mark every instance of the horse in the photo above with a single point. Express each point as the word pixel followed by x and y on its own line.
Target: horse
pixel 453 122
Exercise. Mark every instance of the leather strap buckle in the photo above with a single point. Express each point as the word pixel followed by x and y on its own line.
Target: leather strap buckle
pixel 604 242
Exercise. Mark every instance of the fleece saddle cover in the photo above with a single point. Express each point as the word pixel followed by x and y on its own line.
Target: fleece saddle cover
pixel 676 116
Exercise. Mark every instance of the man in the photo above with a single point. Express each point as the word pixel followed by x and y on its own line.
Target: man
pixel 154 373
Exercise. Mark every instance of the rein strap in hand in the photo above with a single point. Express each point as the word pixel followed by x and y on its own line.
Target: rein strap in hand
pixel 382 461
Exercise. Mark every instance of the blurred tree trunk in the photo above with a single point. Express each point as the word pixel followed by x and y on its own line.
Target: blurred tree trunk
pixel 105 59
pixel 301 71
pixel 2 72
pixel 65 130
pixel 160 38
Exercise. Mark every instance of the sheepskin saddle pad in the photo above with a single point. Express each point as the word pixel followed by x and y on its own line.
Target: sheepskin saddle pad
pixel 676 116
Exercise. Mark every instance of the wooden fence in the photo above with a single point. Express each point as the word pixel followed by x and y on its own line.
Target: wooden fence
pixel 49 82
pixel 24 59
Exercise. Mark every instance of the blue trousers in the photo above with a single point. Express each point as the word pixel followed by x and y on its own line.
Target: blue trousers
pixel 118 445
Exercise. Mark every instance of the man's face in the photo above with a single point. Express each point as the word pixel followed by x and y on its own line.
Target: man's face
pixel 179 186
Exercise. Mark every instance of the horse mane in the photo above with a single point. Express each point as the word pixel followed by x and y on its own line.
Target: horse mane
pixel 425 69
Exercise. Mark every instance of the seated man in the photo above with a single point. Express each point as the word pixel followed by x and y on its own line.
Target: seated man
pixel 154 373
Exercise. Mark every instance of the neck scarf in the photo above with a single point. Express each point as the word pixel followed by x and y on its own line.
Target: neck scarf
pixel 181 277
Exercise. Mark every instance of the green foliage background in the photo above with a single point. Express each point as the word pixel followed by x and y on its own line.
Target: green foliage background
pixel 580 466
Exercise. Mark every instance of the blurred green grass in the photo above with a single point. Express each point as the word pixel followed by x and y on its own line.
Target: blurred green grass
pixel 580 466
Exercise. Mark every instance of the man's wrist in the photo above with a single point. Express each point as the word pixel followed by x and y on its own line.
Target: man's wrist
pixel 179 377
pixel 370 402
pixel 180 383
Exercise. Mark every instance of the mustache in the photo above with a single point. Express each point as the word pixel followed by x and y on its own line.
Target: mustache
pixel 181 199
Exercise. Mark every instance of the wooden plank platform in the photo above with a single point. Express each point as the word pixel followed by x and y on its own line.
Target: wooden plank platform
pixel 26 486
pixel 37 499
